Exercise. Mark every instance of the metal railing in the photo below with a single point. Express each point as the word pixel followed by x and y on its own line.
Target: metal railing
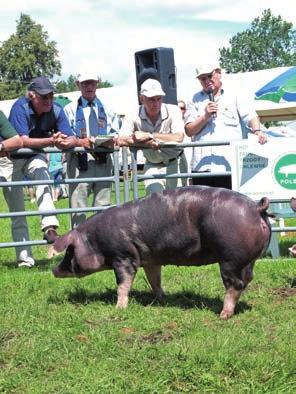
pixel 130 179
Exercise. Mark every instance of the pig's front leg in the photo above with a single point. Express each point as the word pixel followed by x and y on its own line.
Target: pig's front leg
pixel 153 274
pixel 125 273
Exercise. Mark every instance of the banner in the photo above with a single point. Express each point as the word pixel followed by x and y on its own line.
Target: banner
pixel 267 170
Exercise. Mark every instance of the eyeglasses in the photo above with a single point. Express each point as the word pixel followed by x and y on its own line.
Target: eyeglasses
pixel 204 77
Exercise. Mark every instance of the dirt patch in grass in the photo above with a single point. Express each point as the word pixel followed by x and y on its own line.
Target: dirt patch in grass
pixel 284 291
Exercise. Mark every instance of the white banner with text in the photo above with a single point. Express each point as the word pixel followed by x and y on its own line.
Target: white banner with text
pixel 267 170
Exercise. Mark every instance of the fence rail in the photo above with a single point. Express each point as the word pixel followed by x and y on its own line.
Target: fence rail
pixel 125 173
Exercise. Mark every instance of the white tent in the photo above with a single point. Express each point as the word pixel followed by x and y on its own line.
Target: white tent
pixel 123 99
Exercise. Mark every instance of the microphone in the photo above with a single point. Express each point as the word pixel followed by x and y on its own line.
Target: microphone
pixel 210 93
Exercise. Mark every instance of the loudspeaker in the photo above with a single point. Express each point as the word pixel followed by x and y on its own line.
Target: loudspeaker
pixel 157 63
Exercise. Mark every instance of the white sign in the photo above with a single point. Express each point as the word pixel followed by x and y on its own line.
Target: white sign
pixel 267 170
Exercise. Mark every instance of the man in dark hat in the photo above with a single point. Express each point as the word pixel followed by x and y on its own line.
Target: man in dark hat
pixel 40 123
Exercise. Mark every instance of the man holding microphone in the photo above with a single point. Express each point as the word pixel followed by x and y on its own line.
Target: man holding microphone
pixel 216 114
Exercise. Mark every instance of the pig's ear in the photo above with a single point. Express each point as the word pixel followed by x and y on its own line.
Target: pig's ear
pixel 61 243
pixel 293 203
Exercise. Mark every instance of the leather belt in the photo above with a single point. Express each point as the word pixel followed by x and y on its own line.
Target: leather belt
pixel 171 160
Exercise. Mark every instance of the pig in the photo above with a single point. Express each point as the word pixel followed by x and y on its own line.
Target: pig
pixel 292 249
pixel 188 226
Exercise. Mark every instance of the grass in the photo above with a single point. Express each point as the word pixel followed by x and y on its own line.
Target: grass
pixel 65 336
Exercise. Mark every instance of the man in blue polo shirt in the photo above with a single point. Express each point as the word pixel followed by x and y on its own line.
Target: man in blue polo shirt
pixel 41 123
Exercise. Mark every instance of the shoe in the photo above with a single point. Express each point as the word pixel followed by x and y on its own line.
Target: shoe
pixel 29 262
pixel 50 235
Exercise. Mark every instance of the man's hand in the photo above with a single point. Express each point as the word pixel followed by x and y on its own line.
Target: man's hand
pixel 152 144
pixel 87 143
pixel 211 109
pixel 141 136
pixel 262 137
pixel 62 141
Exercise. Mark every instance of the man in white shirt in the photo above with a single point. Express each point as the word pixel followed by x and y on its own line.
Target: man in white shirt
pixel 214 115
pixel 88 120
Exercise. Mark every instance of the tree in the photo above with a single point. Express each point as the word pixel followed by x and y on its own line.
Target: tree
pixel 270 42
pixel 67 86
pixel 70 84
pixel 26 54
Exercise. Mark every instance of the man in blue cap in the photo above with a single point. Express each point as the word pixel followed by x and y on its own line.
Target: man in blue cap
pixel 40 123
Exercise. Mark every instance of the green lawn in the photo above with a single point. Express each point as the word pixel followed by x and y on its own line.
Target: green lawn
pixel 65 336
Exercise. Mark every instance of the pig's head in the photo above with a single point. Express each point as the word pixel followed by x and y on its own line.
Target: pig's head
pixel 80 259
pixel 292 251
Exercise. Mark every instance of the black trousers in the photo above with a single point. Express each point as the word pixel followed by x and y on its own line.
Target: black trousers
pixel 214 181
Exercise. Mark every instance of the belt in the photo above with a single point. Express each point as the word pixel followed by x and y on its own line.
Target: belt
pixel 171 160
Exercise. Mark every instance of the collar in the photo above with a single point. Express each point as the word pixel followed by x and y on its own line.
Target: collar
pixel 85 102
pixel 164 113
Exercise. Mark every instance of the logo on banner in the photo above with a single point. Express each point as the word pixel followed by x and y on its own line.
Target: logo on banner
pixel 285 171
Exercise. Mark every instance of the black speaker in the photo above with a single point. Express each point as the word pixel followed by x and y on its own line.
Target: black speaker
pixel 157 63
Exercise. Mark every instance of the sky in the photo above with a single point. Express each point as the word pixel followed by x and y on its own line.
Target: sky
pixel 103 35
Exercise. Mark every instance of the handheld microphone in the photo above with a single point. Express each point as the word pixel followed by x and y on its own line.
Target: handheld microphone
pixel 210 93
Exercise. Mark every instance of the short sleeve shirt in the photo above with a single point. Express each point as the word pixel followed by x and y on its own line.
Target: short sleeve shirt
pixel 6 129
pixel 169 122
pixel 26 121
pixel 233 111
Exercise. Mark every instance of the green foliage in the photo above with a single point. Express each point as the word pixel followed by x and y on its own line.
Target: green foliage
pixel 26 54
pixel 67 86
pixel 29 53
pixel 70 84
pixel 270 42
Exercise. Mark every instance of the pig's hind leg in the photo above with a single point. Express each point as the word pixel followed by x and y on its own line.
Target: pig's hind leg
pixel 153 274
pixel 125 272
pixel 235 281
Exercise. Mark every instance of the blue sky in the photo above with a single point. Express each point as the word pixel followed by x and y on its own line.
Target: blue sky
pixel 103 35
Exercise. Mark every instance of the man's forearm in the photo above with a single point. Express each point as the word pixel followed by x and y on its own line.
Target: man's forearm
pixel 35 143
pixel 196 126
pixel 12 143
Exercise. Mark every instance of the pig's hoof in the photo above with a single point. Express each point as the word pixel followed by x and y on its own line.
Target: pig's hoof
pixel 159 295
pixel 121 304
pixel 225 315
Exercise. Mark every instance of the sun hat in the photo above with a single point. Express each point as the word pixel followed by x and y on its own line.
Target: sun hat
pixel 151 88
pixel 87 76
pixel 206 69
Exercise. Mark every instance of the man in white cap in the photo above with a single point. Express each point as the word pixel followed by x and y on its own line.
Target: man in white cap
pixel 155 123
pixel 88 120
pixel 213 115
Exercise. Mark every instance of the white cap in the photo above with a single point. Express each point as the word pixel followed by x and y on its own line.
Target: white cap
pixel 87 76
pixel 151 88
pixel 206 69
